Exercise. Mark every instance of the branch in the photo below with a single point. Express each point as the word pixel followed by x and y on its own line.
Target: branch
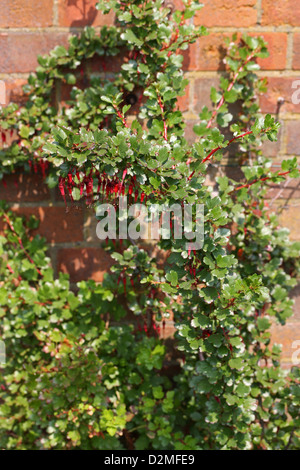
pixel 230 86
pixel 120 115
pixel 21 243
pixel 162 115
pixel 172 41
pixel 219 148
pixel 229 142
pixel 247 185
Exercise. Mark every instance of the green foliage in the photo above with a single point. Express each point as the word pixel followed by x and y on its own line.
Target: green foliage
pixel 70 381
pixel 87 370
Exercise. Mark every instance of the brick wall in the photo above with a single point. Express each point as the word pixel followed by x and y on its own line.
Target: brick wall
pixel 32 27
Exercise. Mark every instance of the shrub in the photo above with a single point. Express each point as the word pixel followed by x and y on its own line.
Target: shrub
pixel 229 391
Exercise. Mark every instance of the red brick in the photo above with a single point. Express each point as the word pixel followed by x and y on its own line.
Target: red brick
pixel 233 171
pixel 223 13
pixel 289 217
pixel 84 263
pixel 190 57
pixel 279 12
pixel 295 295
pixel 25 14
pixel 19 51
pixel 65 89
pixel 202 87
pixel 183 101
pixel 287 190
pixel 296 52
pixel 279 87
pixel 77 13
pixel 24 187
pixel 277 47
pixel 56 225
pixel 107 64
pixel 14 91
pixel 286 336
pixel 174 5
pixel 207 53
pixel 189 134
pixel 292 132
pixel 272 149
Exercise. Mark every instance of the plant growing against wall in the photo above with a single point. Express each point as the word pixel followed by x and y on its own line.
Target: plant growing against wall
pixel 229 391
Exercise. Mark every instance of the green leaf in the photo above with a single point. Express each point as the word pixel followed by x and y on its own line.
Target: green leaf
pixel 173 278
pixel 130 37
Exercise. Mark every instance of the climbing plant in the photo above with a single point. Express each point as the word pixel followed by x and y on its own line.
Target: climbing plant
pixel 86 369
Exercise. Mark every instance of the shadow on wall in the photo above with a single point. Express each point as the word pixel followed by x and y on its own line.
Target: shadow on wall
pixel 83 12
pixel 84 263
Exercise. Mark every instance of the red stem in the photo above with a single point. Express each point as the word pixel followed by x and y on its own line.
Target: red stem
pixel 162 114
pixel 230 141
pixel 230 86
pixel 172 41
pixel 121 116
pixel 219 148
pixel 21 243
pixel 247 185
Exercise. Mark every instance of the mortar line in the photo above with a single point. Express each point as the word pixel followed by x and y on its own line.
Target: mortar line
pixel 259 11
pixel 55 13
pixel 289 51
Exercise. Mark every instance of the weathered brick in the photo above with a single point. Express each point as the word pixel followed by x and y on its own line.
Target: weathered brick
pixel 188 131
pixel 82 13
pixel 295 296
pixel 288 189
pixel 190 57
pixel 292 132
pixel 208 52
pixel 202 87
pixel 19 51
pixel 279 12
pixel 279 87
pixel 277 47
pixel 241 13
pixel 233 171
pixel 270 149
pixel 84 263
pixel 25 14
pixel 289 217
pixel 287 336
pixel 14 91
pixel 183 101
pixel 296 52
pixel 56 225
pixel 24 187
